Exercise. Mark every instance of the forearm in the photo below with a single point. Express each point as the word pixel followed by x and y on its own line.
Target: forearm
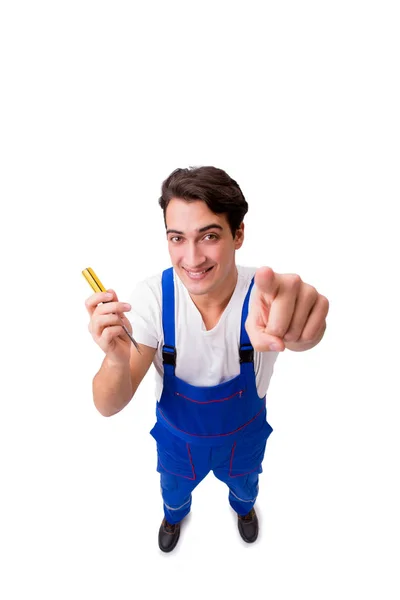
pixel 112 388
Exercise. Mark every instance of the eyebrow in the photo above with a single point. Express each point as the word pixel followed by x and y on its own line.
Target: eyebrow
pixel 201 230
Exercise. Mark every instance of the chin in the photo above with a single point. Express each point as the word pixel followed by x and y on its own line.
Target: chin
pixel 197 290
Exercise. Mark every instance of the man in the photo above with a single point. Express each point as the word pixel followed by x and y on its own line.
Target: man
pixel 213 331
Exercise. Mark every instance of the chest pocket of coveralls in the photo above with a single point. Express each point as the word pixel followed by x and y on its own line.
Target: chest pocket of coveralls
pixel 247 453
pixel 173 454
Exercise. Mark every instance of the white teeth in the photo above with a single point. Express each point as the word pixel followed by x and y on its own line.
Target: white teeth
pixel 196 274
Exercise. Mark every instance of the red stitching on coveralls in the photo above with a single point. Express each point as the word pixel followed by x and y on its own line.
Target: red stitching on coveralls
pixel 217 434
pixel 191 461
pixel 232 453
pixel 231 461
pixel 240 392
pixel 179 474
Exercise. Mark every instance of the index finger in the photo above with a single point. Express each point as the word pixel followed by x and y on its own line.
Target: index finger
pixel 94 300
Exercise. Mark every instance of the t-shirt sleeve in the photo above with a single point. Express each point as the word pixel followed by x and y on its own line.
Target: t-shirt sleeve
pixel 145 316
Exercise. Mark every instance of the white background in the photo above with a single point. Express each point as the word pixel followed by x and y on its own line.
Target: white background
pixel 299 103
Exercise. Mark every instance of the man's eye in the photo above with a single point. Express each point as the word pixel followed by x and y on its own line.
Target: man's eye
pixel 212 236
pixel 174 238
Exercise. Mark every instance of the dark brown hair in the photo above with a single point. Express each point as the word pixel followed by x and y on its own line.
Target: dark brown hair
pixel 221 193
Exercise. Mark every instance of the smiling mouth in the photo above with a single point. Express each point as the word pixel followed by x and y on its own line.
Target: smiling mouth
pixel 197 274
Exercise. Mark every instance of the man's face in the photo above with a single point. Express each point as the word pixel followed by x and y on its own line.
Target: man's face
pixel 201 246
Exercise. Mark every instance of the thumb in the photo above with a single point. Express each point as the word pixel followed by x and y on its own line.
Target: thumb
pixel 262 341
pixel 115 297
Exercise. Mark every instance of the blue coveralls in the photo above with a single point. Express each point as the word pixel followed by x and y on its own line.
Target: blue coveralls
pixel 222 428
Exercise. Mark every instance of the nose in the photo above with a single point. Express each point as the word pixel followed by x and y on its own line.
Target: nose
pixel 194 257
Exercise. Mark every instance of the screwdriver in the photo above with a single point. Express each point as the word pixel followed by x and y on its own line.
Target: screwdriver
pixel 97 286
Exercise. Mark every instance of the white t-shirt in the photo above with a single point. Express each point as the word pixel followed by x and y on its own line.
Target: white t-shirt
pixel 204 358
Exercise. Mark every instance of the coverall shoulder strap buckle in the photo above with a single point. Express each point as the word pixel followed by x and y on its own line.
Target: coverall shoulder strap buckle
pixel 169 355
pixel 246 353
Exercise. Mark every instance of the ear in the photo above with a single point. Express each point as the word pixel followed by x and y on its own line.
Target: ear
pixel 239 236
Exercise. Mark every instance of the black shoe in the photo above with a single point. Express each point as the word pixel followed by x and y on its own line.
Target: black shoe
pixel 248 526
pixel 168 535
